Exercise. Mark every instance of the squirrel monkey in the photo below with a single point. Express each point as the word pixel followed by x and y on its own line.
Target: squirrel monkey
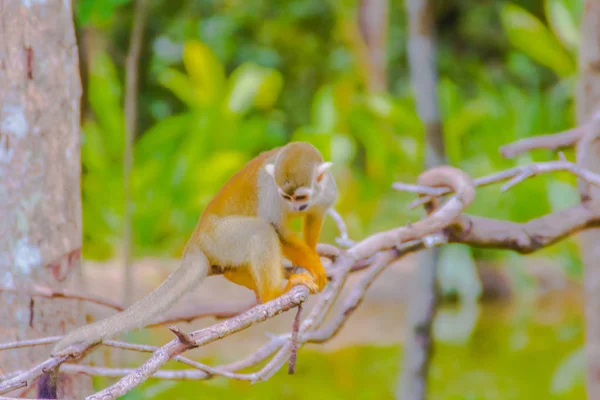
pixel 244 232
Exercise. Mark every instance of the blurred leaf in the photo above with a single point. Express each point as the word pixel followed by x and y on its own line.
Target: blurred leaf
pixel 458 272
pixel 252 84
pixel 562 22
pixel 96 11
pixel 324 112
pixel 570 372
pixel 181 86
pixel 530 36
pixel 104 95
pixel 206 71
pixel 165 135
pixel 269 89
pixel 93 154
pixel 562 195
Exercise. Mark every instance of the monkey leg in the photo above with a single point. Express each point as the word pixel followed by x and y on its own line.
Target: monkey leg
pixel 250 247
pixel 243 277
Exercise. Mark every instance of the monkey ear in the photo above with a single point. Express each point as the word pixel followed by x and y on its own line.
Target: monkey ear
pixel 321 169
pixel 270 168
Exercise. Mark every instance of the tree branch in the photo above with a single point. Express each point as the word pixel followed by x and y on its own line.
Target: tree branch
pixel 553 141
pixel 444 223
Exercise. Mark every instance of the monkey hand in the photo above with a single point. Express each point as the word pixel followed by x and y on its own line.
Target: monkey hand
pixel 319 274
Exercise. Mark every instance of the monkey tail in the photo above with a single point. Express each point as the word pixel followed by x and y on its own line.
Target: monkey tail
pixel 194 267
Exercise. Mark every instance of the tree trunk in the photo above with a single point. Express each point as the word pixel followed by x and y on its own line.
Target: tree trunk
pixel 373 24
pixel 40 168
pixel 422 306
pixel 588 104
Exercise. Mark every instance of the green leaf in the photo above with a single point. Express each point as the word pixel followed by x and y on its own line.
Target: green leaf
pixel 562 23
pixel 104 94
pixel 181 86
pixel 162 136
pixel 96 12
pixel 205 70
pixel 324 111
pixel 251 84
pixel 93 154
pixel 530 36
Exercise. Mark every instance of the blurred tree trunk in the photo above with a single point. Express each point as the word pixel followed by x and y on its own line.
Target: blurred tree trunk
pixel 40 168
pixel 418 347
pixel 373 24
pixel 588 103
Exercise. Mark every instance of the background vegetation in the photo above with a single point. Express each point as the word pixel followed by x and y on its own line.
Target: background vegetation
pixel 222 80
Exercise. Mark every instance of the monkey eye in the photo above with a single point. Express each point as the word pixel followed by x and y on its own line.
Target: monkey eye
pixel 320 177
pixel 301 197
pixel 285 196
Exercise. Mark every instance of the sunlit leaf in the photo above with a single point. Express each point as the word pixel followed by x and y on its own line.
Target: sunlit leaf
pixel 562 23
pixel 529 35
pixel 251 84
pixel 269 89
pixel 181 86
pixel 205 70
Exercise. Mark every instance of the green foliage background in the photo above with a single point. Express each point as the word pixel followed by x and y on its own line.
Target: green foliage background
pixel 222 80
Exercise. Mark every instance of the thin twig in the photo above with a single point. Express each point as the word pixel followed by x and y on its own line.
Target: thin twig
pixel 516 175
pixel 551 142
pixel 40 291
pixel 294 340
pixel 343 240
pixel 202 337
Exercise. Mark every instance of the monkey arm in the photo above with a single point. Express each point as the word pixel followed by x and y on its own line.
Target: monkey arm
pixel 312 225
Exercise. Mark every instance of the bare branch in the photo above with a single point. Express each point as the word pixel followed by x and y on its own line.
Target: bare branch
pixel 219 311
pixel 343 240
pixel 27 377
pixel 516 174
pixel 183 337
pixel 40 291
pixel 294 344
pixel 439 219
pixel 29 343
pixel 373 254
pixel 552 142
pixel 523 237
pixel 259 313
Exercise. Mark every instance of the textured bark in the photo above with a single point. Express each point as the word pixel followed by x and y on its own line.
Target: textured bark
pixel 418 347
pixel 40 202
pixel 588 103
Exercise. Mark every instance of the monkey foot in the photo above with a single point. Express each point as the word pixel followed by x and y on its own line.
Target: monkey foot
pixel 303 279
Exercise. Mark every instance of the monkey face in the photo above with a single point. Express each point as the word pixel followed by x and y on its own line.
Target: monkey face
pixel 299 200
